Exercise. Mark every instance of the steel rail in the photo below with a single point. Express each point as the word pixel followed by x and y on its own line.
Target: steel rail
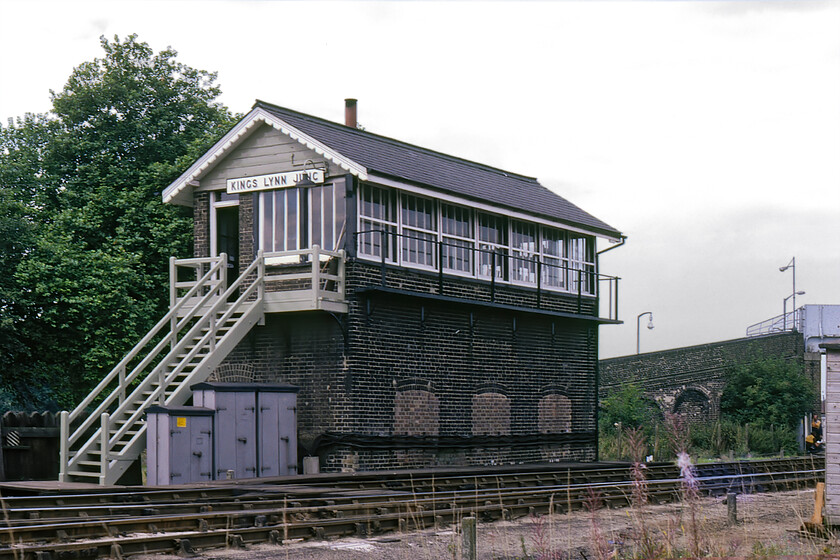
pixel 376 516
pixel 370 479
pixel 198 499
pixel 105 505
pixel 232 536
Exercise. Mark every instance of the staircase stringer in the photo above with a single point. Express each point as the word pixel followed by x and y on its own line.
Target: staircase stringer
pixel 219 327
pixel 119 462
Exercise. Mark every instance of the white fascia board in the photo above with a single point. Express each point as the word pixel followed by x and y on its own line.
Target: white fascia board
pixel 387 182
pixel 241 131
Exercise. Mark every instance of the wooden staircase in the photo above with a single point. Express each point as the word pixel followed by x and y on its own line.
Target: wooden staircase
pixel 105 434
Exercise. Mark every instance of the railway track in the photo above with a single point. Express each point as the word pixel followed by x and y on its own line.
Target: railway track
pixel 237 513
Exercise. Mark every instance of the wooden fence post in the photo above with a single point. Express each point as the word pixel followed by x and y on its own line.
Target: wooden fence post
pixel 468 538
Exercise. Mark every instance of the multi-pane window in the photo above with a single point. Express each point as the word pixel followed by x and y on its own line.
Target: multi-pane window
pixel 553 252
pixel 419 231
pixel 524 252
pixel 296 218
pixel 326 217
pixel 492 245
pixel 581 264
pixel 281 219
pixel 377 214
pixel 458 238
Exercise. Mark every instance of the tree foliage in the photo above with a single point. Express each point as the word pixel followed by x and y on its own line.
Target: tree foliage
pixel 88 238
pixel 772 392
pixel 629 408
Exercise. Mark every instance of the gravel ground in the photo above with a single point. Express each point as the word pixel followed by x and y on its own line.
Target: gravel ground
pixel 768 527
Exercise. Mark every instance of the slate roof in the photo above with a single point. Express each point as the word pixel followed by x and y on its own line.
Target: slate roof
pixel 442 172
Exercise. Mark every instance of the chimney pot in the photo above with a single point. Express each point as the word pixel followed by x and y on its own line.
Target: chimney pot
pixel 350 113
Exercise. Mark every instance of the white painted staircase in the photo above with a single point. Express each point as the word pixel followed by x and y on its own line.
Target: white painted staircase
pixel 106 433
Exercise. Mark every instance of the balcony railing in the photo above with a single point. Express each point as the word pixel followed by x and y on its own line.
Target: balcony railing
pixel 495 265
pixel 302 280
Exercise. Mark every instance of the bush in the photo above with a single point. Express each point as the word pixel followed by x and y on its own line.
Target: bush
pixel 772 392
pixel 629 408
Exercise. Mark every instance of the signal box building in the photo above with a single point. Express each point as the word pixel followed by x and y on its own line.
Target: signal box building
pixel 432 310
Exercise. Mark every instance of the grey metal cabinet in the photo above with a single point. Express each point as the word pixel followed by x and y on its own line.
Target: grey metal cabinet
pixel 277 430
pixel 179 445
pixel 256 427
pixel 236 436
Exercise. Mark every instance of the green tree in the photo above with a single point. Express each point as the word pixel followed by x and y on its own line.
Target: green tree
pixel 772 392
pixel 630 408
pixel 92 277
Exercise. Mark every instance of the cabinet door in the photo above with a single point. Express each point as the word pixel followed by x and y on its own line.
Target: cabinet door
pixel 201 452
pixel 246 435
pixel 226 444
pixel 272 454
pixel 288 431
pixel 179 449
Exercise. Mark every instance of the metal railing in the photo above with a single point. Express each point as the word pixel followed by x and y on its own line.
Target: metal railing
pixel 786 322
pixel 505 266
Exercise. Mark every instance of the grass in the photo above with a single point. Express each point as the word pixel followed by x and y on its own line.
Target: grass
pixel 715 441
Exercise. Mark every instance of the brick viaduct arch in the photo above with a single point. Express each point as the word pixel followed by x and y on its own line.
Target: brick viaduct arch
pixel 690 380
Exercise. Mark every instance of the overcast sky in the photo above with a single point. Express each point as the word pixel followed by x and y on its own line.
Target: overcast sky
pixel 707 132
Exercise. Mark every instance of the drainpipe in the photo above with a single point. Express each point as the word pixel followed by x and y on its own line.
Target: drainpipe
pixel 621 242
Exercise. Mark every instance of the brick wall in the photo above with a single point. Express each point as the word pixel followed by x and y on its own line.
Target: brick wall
pixel 402 381
pixel 416 413
pixel 490 414
pixel 201 224
pixel 488 386
pixel 247 243
pixel 555 414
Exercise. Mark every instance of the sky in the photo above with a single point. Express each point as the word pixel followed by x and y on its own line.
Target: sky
pixel 706 132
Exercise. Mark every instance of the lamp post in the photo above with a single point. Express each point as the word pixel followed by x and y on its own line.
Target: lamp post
pixel 784 309
pixel 649 326
pixel 791 265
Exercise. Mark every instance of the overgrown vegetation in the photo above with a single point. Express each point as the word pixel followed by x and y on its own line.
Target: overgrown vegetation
pixel 760 409
pixel 84 237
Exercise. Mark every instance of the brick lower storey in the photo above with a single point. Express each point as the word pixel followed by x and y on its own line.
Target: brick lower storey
pixel 403 382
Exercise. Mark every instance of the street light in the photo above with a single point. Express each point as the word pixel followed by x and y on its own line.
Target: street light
pixel 791 265
pixel 649 326
pixel 784 309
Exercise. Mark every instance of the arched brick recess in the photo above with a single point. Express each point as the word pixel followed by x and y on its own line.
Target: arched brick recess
pixel 234 373
pixel 693 405
pixel 416 413
pixel 555 414
pixel 490 414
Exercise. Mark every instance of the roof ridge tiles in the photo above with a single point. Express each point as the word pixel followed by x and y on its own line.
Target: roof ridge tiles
pixel 510 174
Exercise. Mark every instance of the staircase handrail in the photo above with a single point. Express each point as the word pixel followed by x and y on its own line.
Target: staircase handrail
pixel 195 263
pixel 220 303
pixel 145 340
pixel 120 367
pixel 154 353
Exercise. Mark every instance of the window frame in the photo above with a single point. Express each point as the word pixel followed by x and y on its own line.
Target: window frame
pixel 567 261
pixel 339 209
pixel 301 210
pixel 385 224
pixel 471 241
pixel 434 234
